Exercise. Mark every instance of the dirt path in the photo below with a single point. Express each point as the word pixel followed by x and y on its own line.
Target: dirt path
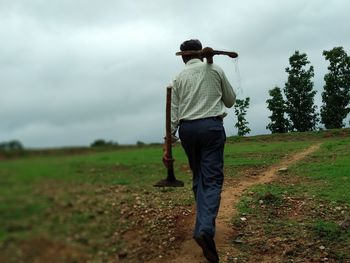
pixel 189 252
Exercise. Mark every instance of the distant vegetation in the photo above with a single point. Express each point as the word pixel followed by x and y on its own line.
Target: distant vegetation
pixel 103 143
pixel 297 111
pixel 140 143
pixel 10 146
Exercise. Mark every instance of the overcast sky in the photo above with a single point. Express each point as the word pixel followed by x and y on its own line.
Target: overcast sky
pixel 72 71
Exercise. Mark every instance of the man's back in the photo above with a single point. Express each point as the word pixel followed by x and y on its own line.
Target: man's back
pixel 201 90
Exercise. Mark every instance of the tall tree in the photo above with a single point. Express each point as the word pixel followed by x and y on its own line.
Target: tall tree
pixel 241 107
pixel 300 95
pixel 278 124
pixel 336 94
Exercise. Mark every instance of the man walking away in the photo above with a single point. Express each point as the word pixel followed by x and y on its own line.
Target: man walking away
pixel 200 94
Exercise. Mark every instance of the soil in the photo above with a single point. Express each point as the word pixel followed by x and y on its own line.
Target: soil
pixel 232 191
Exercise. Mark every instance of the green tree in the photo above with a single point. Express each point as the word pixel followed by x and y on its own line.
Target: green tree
pixel 276 104
pixel 241 107
pixel 300 95
pixel 336 94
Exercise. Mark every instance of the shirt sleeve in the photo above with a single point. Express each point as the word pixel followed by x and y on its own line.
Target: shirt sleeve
pixel 228 95
pixel 174 109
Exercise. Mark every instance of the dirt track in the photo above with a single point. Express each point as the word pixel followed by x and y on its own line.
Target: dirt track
pixel 189 251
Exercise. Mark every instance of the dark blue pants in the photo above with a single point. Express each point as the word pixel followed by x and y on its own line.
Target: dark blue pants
pixel 203 141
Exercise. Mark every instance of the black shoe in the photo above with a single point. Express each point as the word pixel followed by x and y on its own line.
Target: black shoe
pixel 207 244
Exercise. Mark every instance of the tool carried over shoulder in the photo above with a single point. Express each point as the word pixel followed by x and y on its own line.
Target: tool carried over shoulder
pixel 170 180
pixel 207 53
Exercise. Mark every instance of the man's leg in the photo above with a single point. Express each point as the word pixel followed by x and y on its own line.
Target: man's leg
pixel 188 133
pixel 212 140
pixel 203 142
pixel 189 140
pixel 211 176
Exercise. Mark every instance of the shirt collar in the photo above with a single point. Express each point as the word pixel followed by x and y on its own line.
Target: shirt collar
pixel 193 61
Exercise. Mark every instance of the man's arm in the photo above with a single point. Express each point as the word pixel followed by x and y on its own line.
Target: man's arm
pixel 228 95
pixel 174 110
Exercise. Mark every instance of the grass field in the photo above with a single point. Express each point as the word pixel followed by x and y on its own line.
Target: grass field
pixel 100 206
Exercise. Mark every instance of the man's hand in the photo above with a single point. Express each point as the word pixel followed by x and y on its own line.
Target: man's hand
pixel 208 53
pixel 174 139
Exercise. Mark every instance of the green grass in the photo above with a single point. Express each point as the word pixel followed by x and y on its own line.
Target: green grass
pixel 331 166
pixel 327 230
pixel 259 154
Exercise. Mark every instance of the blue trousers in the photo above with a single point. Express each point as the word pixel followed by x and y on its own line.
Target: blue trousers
pixel 203 141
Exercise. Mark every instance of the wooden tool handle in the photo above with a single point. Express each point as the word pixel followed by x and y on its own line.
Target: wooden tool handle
pixel 168 138
pixel 207 53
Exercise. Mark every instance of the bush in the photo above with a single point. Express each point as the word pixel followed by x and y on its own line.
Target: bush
pixel 10 146
pixel 103 143
pixel 140 143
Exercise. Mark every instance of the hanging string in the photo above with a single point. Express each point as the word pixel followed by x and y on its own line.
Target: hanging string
pixel 237 81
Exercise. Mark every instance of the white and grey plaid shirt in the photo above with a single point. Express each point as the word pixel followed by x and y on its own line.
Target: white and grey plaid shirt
pixel 200 90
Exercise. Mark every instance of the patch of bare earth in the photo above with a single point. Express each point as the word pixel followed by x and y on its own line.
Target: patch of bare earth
pixel 232 191
pixel 42 250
